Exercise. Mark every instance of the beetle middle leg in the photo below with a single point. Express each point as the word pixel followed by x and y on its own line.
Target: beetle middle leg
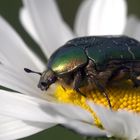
pixel 100 88
pixel 91 76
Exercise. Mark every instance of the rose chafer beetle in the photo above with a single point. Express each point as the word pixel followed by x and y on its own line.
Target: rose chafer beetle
pixel 94 61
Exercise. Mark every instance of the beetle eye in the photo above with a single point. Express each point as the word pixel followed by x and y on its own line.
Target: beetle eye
pixel 51 80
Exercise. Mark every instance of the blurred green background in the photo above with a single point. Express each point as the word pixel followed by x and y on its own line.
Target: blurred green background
pixel 9 9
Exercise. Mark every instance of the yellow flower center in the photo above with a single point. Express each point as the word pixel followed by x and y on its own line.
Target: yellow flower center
pixel 121 97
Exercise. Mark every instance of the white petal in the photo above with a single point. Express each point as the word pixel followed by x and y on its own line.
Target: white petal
pixel 27 23
pixel 72 112
pixel 14 52
pixel 33 109
pixel 27 108
pixel 82 18
pixel 19 81
pixel 67 111
pixel 121 124
pixel 11 128
pixel 49 25
pixel 101 17
pixel 133 27
pixel 85 128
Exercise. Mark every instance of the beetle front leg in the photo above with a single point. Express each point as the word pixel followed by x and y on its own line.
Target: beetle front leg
pixel 77 81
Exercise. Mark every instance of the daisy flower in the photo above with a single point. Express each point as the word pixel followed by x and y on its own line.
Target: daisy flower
pixel 26 110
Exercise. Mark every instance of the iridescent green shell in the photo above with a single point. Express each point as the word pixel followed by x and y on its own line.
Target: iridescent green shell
pixel 67 59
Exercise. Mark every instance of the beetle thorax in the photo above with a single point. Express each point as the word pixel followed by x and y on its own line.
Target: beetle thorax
pixel 67 59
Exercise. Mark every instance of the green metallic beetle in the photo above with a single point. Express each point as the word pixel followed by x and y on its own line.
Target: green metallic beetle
pixel 96 61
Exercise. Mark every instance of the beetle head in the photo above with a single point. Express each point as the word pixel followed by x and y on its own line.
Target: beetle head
pixel 47 78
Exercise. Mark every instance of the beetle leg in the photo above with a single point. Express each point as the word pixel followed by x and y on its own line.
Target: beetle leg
pixel 133 77
pixel 77 90
pixel 118 74
pixel 90 72
pixel 77 81
pixel 101 89
pixel 63 87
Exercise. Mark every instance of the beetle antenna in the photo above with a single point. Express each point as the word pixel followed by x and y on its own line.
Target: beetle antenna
pixel 30 71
